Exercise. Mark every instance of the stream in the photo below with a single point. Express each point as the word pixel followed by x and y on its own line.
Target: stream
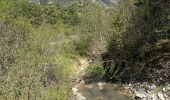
pixel 94 88
pixel 99 91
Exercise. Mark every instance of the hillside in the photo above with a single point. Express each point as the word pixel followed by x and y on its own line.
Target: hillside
pixel 44 46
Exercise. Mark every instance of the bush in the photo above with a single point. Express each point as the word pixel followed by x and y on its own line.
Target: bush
pixel 40 43
pixel 95 70
pixel 135 50
pixel 82 46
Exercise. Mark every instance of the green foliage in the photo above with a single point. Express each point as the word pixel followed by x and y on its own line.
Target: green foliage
pixel 60 93
pixel 40 43
pixel 133 50
pixel 82 45
pixel 95 70
pixel 65 61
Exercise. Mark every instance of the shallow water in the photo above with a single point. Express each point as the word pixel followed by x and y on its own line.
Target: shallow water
pixel 108 91
pixel 96 88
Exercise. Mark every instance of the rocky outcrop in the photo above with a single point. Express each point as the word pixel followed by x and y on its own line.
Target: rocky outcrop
pixel 146 91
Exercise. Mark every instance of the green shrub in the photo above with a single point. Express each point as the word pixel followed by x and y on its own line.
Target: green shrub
pixel 95 70
pixel 83 44
pixel 40 44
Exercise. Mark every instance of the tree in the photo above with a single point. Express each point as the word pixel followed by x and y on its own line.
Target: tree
pixel 140 47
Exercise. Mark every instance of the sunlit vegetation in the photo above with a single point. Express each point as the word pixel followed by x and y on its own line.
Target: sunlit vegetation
pixel 39 44
pixel 141 50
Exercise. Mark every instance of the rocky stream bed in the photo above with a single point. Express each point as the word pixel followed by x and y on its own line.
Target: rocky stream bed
pixel 98 89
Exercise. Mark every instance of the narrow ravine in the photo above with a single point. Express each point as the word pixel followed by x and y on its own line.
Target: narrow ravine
pixel 96 89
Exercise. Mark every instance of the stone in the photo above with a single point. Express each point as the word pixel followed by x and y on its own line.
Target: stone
pixel 153 97
pixel 164 89
pixel 101 84
pixel 165 95
pixel 74 90
pixel 168 87
pixel 160 96
pixel 152 87
pixel 140 96
pixel 130 85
